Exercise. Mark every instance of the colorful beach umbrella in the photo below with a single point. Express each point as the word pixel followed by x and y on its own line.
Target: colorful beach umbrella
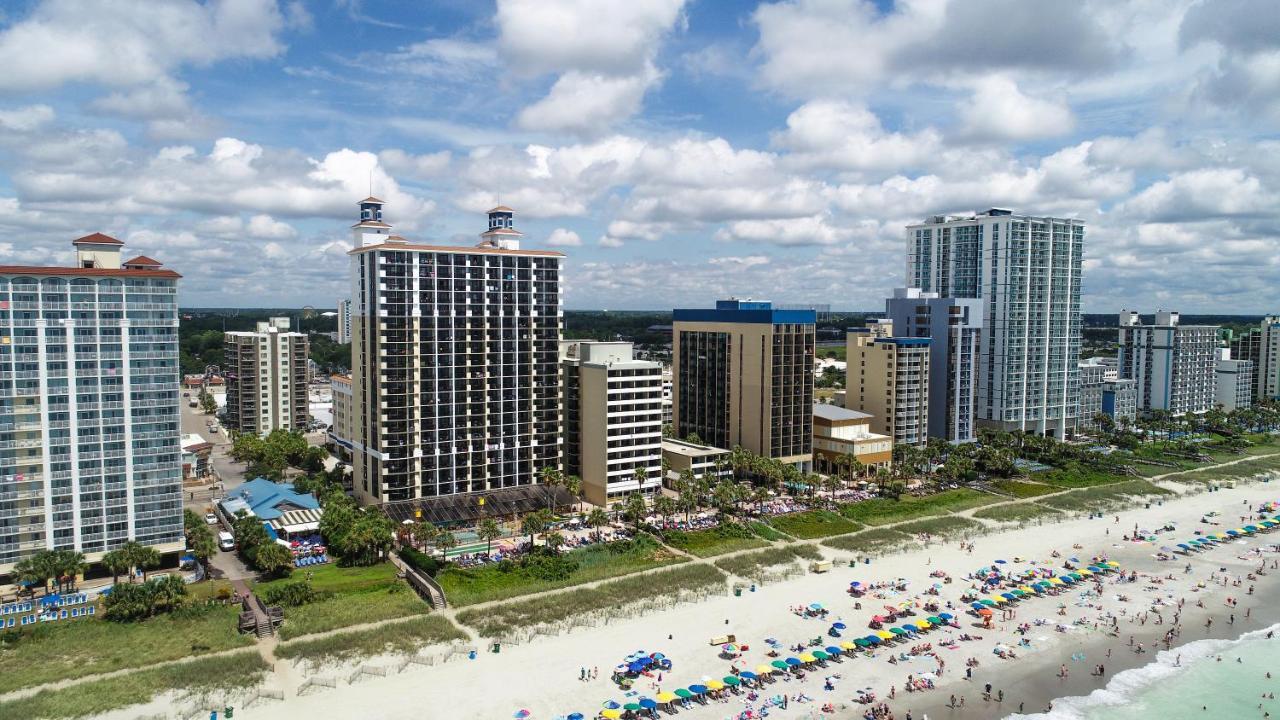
pixel 808 658
pixel 883 635
pixel 521 714
pixel 861 642
pixel 833 650
pixel 793 661
pixel 745 675
pixel 846 645
pixel 632 707
pixel 731 681
pixel 780 664
pixel 683 693
pixel 897 631
pixel 873 639
pixel 945 616
pixel 764 670
pixel 698 689
pixel 715 685
pixel 666 697
pixel 611 714
pixel 648 704
pixel 821 655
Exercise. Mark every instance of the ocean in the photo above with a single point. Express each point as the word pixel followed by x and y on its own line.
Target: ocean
pixel 1202 687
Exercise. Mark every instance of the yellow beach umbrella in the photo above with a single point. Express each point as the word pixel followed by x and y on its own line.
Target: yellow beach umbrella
pixel 611 714
pixel 846 645
pixel 665 697
pixel 1056 581
pixel 998 600
pixel 763 670
pixel 1027 589
pixel 715 685
pixel 885 635
pixel 923 624
pixel 807 658
pixel 1085 572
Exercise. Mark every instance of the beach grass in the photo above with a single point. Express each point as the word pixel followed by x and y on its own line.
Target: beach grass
pixel 396 638
pixel 504 580
pixel 814 524
pixel 50 652
pixel 1105 497
pixel 499 620
pixel 92 699
pixel 1022 490
pixel 948 526
pixel 1076 476
pixel 751 565
pixel 883 511
pixel 1016 512
pixel 333 578
pixel 388 602
pixel 727 538
pixel 872 542
pixel 1239 471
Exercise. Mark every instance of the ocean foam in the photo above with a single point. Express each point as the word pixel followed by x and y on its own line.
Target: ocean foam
pixel 1125 686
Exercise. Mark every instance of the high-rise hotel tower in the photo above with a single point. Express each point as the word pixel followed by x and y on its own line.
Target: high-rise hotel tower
pixel 454 362
pixel 1026 270
pixel 90 444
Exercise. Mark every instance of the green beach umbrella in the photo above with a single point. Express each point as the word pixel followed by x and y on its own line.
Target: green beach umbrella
pixel 861 642
pixel 779 664
pixel 731 680
pixel 820 654
pixel 988 602
pixel 681 692
pixel 633 707
pixel 897 631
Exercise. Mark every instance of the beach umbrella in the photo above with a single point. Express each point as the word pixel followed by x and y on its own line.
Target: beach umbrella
pixel 815 606
pixel 611 705
pixel 1076 575
pixel 923 624
pixel 611 714
pixel 846 645
pixel 833 650
pixel 793 661
pixel 732 681
pixel 821 654
pixel 884 635
pixel 698 689
pixel 897 631
pixel 780 664
pixel 873 639
pixel 1000 562
pixel 663 697
pixel 631 707
pixel 839 626
pixel 522 714
pixel 1008 596
pixel 985 612
pixel 934 620
pixel 574 716
pixel 1251 528
pixel 808 658
pixel 977 606
pixel 648 704
pixel 998 600
pixel 861 642
pixel 1233 533
pixel 764 669
pixel 745 675
pixel 945 616
pixel 683 693
pixel 988 602
pixel 715 685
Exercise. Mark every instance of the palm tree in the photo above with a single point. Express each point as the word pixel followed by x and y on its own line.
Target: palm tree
pixel 488 531
pixel 116 563
pixel 444 542
pixel 664 506
pixel 423 533
pixel 573 484
pixel 597 519
pixel 634 509
pixel 71 565
pixel 551 479
pixel 141 557
pixel 641 476
pixel 553 540
pixel 170 589
pixel 532 524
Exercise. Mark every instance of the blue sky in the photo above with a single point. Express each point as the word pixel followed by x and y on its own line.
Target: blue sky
pixel 676 150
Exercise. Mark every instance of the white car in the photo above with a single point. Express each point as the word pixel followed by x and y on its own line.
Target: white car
pixel 211 518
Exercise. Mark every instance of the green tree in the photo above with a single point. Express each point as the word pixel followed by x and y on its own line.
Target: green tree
pixel 117 563
pixel 554 540
pixel 249 534
pixel 597 519
pixel 208 405
pixel 370 537
pixel 552 478
pixel 445 542
pixel 635 510
pixel 533 524
pixel 273 560
pixel 141 557
pixel 665 506
pixel 488 531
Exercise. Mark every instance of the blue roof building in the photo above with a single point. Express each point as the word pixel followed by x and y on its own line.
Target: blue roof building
pixel 267 500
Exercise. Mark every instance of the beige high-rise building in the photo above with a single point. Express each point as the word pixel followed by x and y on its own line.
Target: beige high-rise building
pixel 266 373
pixel 889 378
pixel 454 365
pixel 340 431
pixel 743 375
pixel 612 419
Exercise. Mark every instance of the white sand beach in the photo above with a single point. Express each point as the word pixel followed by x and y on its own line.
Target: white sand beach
pixel 543 675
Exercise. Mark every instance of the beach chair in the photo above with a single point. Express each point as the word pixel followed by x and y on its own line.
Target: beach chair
pixel 9 624
pixel 63 615
pixel 92 609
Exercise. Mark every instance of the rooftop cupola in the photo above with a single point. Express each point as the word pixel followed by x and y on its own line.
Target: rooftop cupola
pixel 370 230
pixel 98 251
pixel 502 233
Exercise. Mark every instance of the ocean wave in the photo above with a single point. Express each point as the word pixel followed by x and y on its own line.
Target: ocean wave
pixel 1125 686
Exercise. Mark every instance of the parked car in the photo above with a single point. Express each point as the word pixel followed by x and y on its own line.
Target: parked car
pixel 211 518
pixel 226 542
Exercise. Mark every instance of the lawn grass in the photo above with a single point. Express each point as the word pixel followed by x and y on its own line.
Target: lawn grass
pixel 1022 489
pixel 500 581
pixel 1016 512
pixel 767 532
pixel 948 526
pixel 814 524
pixel 49 652
pixel 1105 497
pixel 361 595
pixel 397 638
pixel 729 537
pixel 883 511
pixel 501 619
pixel 872 542
pixel 1076 476
pixel 92 699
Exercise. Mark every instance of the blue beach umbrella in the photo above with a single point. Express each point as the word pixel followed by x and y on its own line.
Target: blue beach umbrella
pixel 793 661
pixel 648 704
pixel 747 675
pixel 945 616
pixel 700 689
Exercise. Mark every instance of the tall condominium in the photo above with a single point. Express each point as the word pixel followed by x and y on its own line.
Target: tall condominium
pixel 266 373
pixel 954 325
pixel 1233 381
pixel 743 375
pixel 1174 365
pixel 1261 346
pixel 1026 270
pixel 89 405
pixel 612 419
pixel 889 378
pixel 344 321
pixel 454 362
pixel 340 430
pixel 1102 390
